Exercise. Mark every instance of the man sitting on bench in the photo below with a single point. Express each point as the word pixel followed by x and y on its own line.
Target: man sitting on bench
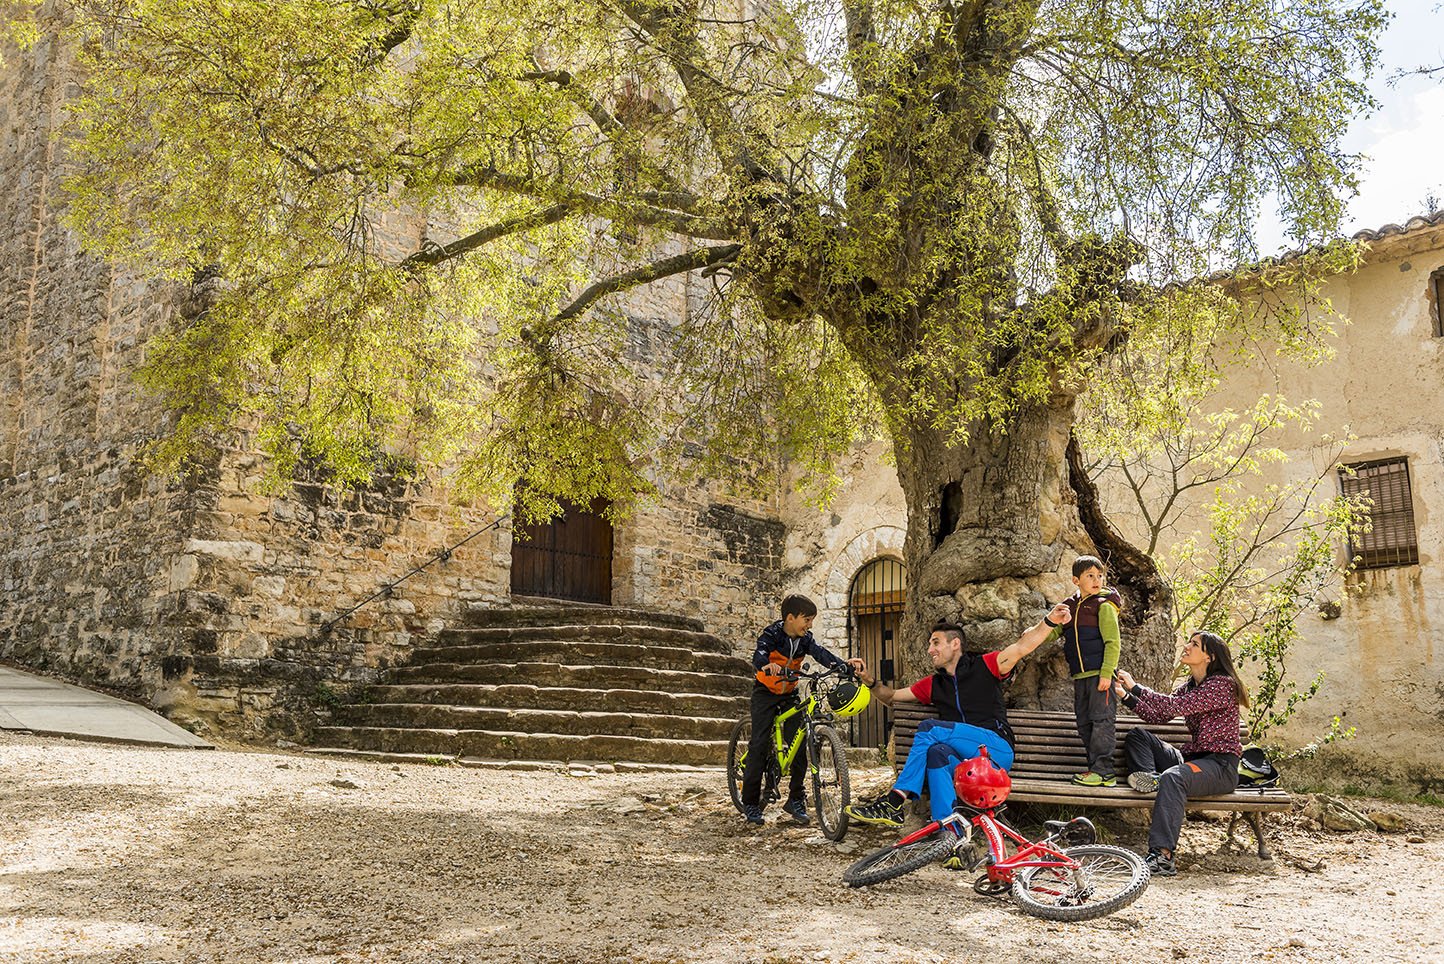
pixel 967 690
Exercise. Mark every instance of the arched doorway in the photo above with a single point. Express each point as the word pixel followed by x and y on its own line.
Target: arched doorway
pixel 874 611
pixel 569 557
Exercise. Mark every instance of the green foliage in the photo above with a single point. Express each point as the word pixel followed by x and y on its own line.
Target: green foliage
pixel 424 214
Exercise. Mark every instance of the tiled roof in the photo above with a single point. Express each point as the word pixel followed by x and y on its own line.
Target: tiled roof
pixel 1416 223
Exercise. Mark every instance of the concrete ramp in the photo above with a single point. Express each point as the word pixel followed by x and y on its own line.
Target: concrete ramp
pixel 53 708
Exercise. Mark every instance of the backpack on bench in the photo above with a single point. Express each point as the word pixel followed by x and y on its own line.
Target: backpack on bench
pixel 1255 772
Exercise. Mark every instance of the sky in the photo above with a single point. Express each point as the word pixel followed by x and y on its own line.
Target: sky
pixel 1405 137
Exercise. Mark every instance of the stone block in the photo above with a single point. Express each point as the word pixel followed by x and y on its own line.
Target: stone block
pixel 239 551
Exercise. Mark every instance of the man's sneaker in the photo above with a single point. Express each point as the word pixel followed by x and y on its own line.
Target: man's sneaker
pixel 797 810
pixel 752 814
pixel 1090 779
pixel 1159 865
pixel 882 812
pixel 1143 781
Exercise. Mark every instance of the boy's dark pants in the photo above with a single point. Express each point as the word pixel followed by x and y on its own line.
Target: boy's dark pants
pixel 1097 713
pixel 766 705
pixel 1178 779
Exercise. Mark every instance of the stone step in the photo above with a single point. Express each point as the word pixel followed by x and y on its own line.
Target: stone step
pixel 425 716
pixel 481 614
pixel 576 677
pixel 547 697
pixel 630 634
pixel 499 745
pixel 571 653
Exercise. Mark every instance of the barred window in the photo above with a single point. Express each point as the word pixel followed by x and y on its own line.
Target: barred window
pixel 1392 540
pixel 1436 304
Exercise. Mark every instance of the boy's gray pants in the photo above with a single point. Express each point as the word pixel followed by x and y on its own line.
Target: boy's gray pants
pixel 1178 779
pixel 1097 713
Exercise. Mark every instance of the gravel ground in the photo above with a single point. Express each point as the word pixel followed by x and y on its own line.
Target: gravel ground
pixel 133 855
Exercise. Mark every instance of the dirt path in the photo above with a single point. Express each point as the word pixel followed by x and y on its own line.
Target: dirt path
pixel 138 855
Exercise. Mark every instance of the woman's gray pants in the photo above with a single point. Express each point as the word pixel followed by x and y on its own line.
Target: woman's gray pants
pixel 1178 779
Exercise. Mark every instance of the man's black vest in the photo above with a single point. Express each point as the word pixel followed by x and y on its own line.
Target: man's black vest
pixel 974 696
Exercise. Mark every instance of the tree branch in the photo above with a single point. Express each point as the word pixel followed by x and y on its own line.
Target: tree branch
pixel 407 15
pixel 434 254
pixel 647 209
pixel 689 261
pixel 861 36
pixel 669 28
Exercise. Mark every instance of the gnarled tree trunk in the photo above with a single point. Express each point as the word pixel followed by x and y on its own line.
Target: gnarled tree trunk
pixel 993 528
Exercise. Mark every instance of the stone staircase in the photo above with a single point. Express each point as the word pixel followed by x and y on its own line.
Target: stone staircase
pixel 554 683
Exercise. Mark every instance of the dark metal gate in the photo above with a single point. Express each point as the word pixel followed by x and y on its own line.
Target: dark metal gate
pixel 874 612
pixel 569 557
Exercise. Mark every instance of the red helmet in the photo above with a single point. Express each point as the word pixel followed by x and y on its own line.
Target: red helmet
pixel 981 783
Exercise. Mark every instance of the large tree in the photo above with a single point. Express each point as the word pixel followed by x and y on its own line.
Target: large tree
pixel 939 212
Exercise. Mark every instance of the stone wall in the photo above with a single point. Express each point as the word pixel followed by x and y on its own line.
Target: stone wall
pixel 702 548
pixel 87 535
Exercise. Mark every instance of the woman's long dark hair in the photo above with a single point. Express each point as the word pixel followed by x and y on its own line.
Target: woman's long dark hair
pixel 1221 662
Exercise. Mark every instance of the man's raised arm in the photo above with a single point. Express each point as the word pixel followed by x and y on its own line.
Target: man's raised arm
pixel 1033 638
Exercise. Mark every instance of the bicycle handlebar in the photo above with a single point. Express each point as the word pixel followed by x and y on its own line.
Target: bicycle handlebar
pixel 843 670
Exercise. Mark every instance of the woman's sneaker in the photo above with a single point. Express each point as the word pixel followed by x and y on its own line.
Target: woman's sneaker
pixel 882 812
pixel 1143 781
pixel 1159 865
pixel 1090 779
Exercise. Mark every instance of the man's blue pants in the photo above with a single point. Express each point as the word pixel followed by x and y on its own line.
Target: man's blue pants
pixel 936 751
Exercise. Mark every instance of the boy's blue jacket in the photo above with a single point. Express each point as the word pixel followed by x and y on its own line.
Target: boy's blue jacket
pixel 775 647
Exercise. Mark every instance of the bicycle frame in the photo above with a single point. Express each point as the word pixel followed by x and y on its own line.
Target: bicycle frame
pixel 1001 867
pixel 786 753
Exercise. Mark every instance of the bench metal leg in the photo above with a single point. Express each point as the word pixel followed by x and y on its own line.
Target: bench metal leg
pixel 1255 822
pixel 1255 819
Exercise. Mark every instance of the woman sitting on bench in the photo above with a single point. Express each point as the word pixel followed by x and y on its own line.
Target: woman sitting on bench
pixel 1205 766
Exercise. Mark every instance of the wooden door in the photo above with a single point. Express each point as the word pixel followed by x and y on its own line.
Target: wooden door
pixel 569 557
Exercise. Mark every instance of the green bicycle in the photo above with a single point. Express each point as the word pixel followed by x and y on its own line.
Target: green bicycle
pixel 832 694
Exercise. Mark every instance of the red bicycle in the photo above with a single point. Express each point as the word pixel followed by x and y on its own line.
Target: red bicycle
pixel 1066 876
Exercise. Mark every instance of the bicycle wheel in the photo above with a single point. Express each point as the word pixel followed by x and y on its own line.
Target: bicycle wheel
pixel 899 859
pixel 831 791
pixel 1112 878
pixel 737 758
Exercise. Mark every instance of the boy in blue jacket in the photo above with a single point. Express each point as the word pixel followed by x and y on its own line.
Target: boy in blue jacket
pixel 780 649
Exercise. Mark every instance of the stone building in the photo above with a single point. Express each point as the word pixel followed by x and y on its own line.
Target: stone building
pixel 1380 639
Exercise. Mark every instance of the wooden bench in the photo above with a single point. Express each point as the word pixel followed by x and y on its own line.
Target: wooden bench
pixel 1048 753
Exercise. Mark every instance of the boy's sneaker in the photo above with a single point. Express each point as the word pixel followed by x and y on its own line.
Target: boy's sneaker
pixel 1090 779
pixel 797 810
pixel 881 812
pixel 1143 781
pixel 752 814
pixel 1159 865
